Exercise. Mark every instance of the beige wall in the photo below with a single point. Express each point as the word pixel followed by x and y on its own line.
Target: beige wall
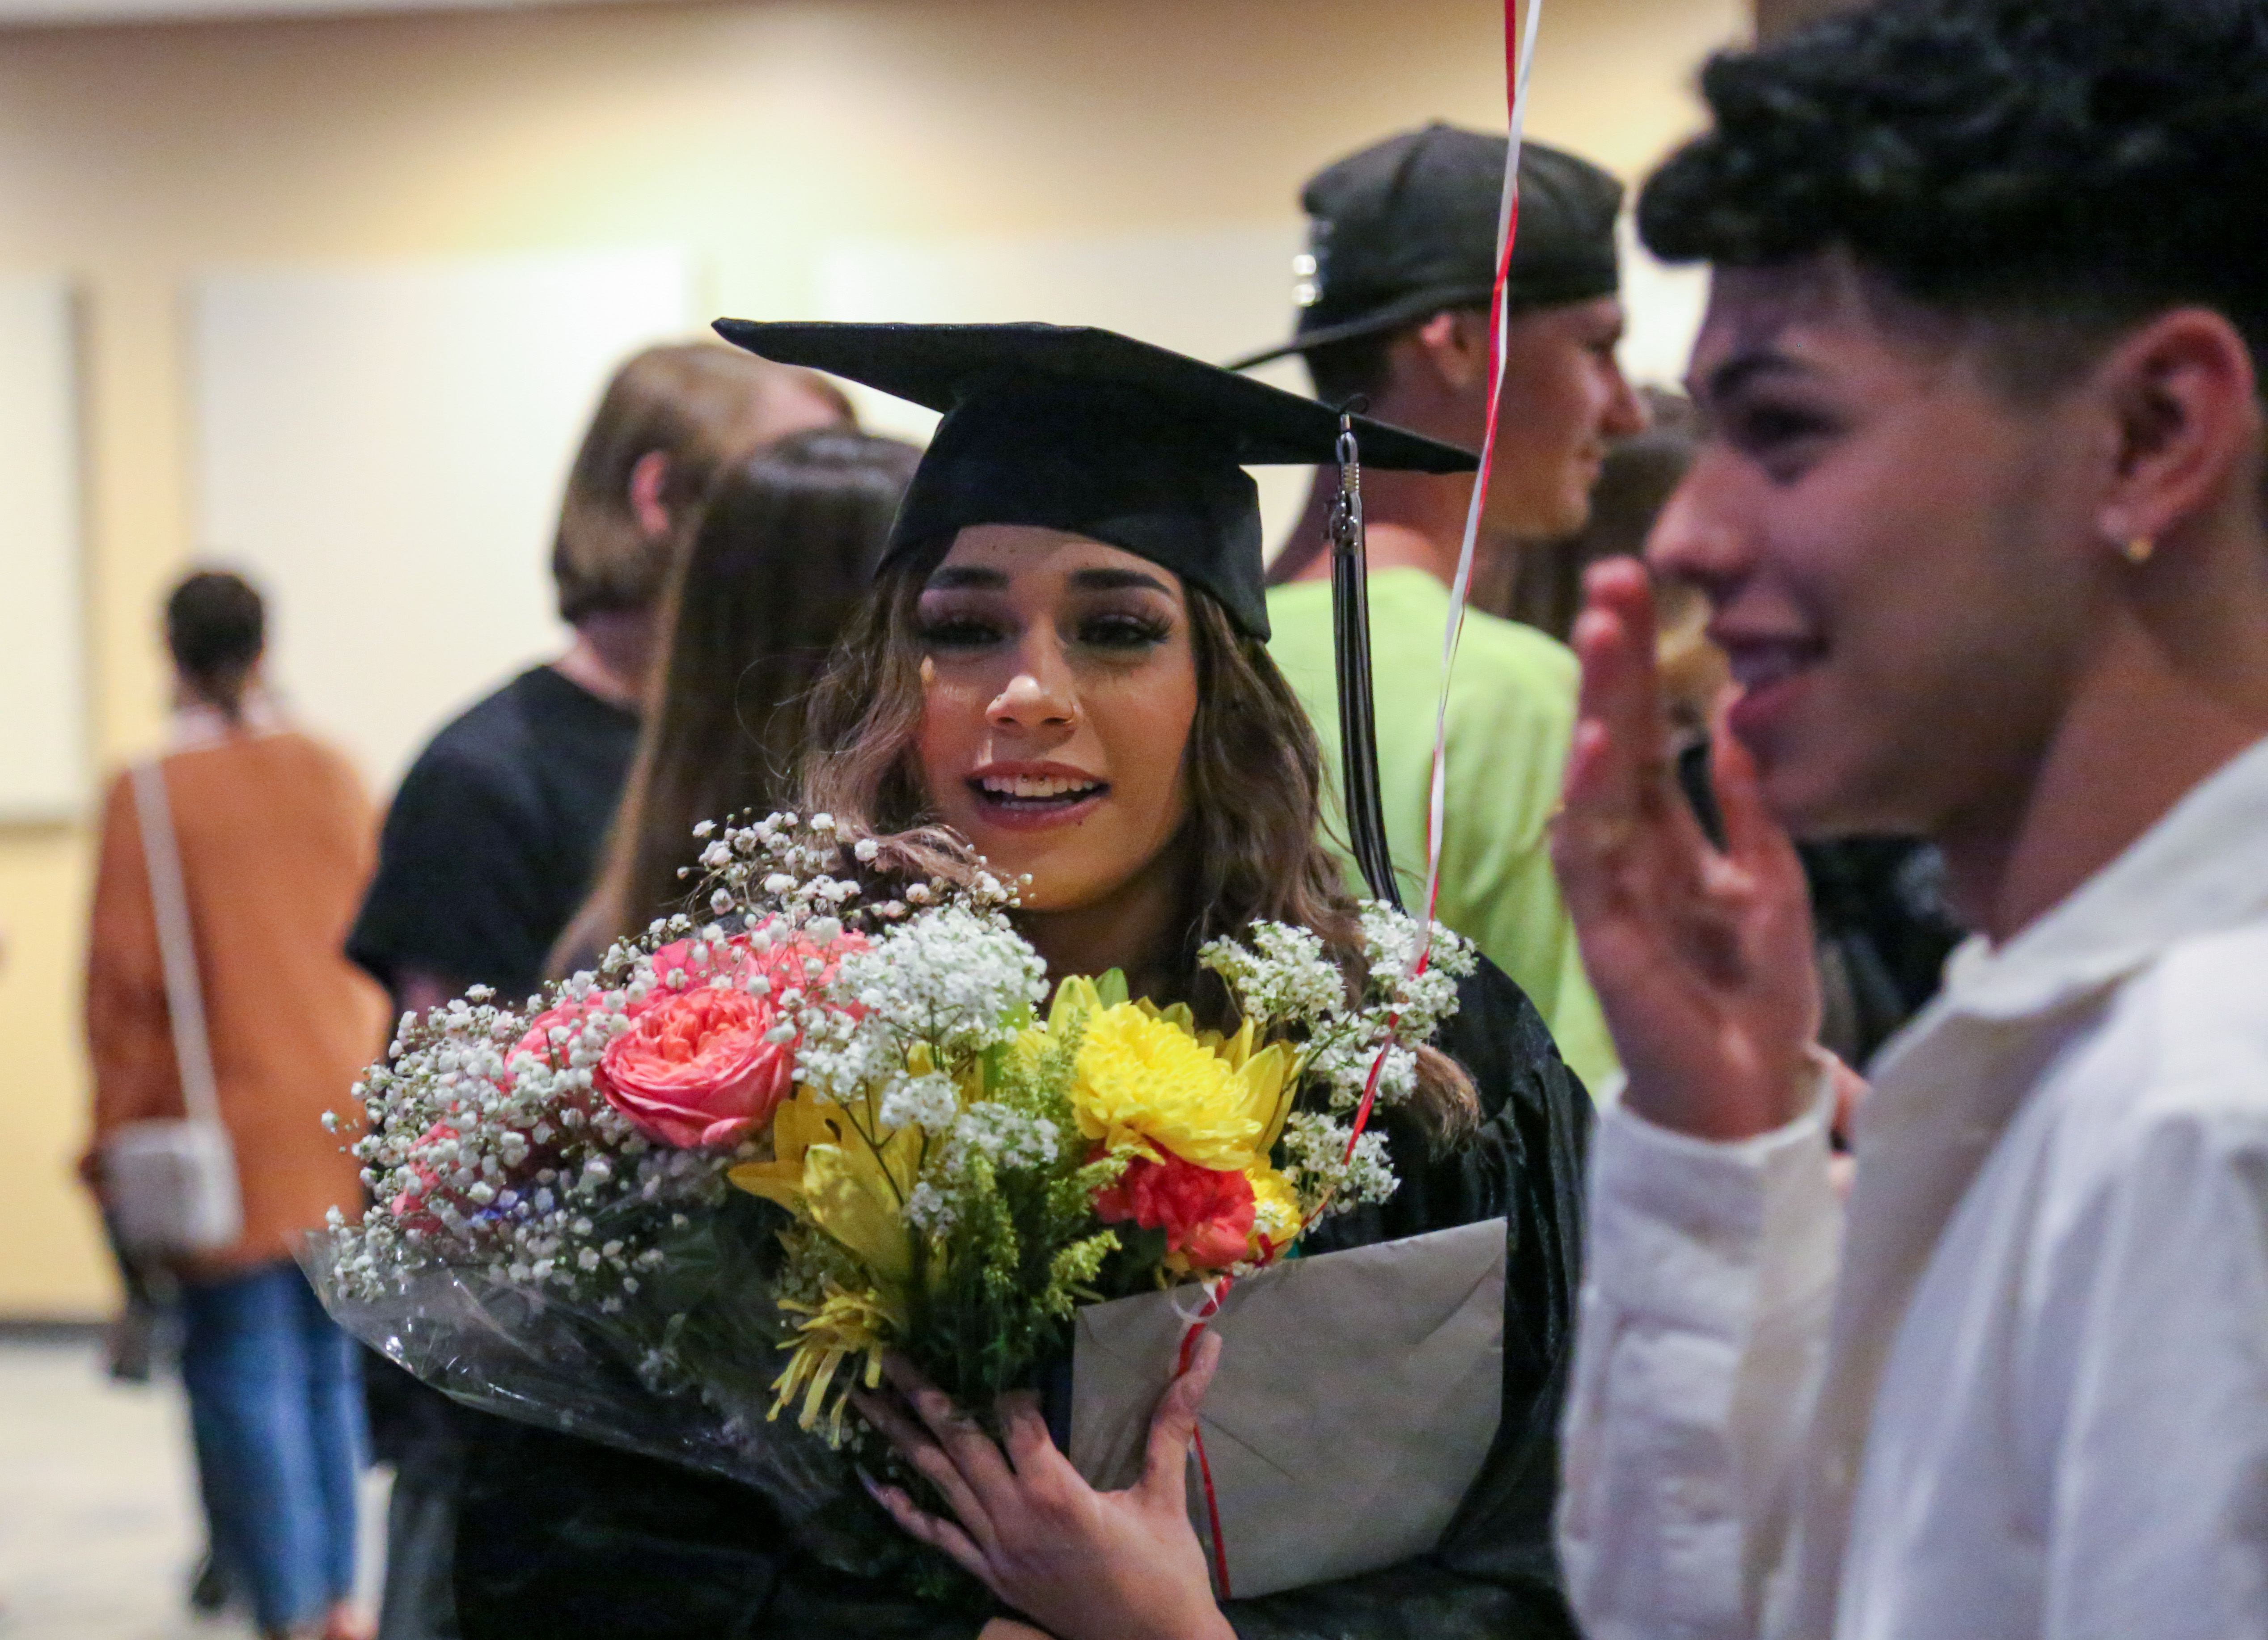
pixel 752 132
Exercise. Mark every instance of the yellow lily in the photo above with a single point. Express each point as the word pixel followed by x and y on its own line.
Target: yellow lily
pixel 824 1170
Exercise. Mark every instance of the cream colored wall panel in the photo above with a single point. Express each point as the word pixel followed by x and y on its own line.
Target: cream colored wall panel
pixel 1664 306
pixel 43 659
pixel 383 447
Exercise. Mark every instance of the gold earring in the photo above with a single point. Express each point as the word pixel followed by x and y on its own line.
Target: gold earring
pixel 2137 549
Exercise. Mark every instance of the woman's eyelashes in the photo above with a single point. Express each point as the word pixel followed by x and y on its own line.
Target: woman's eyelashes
pixel 951 628
pixel 1114 631
pixel 1126 631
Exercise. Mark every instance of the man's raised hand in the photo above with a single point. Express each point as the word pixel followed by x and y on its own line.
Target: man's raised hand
pixel 1702 958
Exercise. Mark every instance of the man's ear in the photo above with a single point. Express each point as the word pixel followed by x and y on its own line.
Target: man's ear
pixel 649 478
pixel 1455 343
pixel 2185 414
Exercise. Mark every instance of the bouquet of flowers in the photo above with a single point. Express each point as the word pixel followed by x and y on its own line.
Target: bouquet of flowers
pixel 712 1181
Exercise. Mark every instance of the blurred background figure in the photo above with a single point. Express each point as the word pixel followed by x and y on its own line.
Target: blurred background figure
pixel 744 633
pixel 1394 298
pixel 490 842
pixel 275 839
pixel 1881 925
pixel 1540 584
pixel 602 1543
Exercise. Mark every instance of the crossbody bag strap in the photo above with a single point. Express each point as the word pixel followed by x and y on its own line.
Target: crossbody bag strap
pixel 185 1001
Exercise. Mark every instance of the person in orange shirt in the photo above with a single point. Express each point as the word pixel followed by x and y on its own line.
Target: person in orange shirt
pixel 275 839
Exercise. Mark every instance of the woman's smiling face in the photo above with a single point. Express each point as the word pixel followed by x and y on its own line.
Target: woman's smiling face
pixel 1059 683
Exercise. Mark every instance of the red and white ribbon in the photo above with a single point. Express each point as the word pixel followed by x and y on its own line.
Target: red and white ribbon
pixel 1520 58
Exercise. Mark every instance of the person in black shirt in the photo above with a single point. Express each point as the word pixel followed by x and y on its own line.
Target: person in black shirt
pixel 490 844
pixel 491 840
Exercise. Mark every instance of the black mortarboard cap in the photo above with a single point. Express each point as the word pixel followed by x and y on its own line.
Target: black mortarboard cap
pixel 1086 431
pixel 1408 227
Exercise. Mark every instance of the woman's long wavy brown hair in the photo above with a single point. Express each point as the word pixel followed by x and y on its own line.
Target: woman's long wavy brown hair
pixel 1255 778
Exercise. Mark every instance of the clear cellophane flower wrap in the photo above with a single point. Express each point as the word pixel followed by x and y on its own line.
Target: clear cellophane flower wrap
pixel 684 1202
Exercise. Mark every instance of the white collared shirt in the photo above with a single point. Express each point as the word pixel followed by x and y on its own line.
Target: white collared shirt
pixel 2023 1390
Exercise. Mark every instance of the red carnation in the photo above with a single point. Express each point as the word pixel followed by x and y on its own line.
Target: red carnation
pixel 1206 1214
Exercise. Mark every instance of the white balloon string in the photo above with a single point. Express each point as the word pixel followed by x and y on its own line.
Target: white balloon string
pixel 1520 59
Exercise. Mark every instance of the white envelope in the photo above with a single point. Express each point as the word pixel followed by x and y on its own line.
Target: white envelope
pixel 1356 1396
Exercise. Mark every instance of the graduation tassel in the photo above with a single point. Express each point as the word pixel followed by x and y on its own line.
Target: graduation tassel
pixel 1366 808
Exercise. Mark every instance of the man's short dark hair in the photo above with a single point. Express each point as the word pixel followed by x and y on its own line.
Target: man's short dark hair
pixel 1343 372
pixel 1360 367
pixel 2073 164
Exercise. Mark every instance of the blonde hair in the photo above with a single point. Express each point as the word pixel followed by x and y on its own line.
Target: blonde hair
pixel 700 404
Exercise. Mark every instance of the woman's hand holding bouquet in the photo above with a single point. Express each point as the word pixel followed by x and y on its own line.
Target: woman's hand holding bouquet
pixel 1126 1565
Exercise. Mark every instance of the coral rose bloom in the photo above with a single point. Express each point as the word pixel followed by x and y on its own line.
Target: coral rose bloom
pixel 1206 1214
pixel 693 1068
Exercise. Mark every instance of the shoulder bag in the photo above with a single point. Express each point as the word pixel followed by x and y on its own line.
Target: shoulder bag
pixel 171 1185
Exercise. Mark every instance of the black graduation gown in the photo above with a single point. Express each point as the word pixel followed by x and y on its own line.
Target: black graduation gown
pixel 578 1541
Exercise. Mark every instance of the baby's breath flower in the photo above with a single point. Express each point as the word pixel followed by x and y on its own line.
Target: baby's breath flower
pixel 928 1102
pixel 1004 1136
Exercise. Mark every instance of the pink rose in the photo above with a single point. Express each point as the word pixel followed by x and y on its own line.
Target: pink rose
pixel 693 1068
pixel 1206 1214
pixel 731 957
pixel 783 964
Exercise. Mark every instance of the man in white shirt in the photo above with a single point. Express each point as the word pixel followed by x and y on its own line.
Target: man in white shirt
pixel 1980 515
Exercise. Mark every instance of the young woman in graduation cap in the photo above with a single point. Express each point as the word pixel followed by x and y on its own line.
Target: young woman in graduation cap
pixel 1064 663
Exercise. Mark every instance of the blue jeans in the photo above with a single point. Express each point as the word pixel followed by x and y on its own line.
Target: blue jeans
pixel 275 1406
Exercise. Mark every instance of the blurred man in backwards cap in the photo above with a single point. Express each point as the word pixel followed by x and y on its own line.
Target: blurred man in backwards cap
pixel 1394 310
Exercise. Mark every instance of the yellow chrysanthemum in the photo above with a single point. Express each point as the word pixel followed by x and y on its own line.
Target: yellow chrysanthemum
pixel 841 1329
pixel 1144 1082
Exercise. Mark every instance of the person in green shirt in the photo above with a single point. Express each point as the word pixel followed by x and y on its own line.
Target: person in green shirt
pixel 1394 294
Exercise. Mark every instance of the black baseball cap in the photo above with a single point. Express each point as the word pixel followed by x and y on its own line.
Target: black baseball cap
pixel 1083 430
pixel 1408 227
